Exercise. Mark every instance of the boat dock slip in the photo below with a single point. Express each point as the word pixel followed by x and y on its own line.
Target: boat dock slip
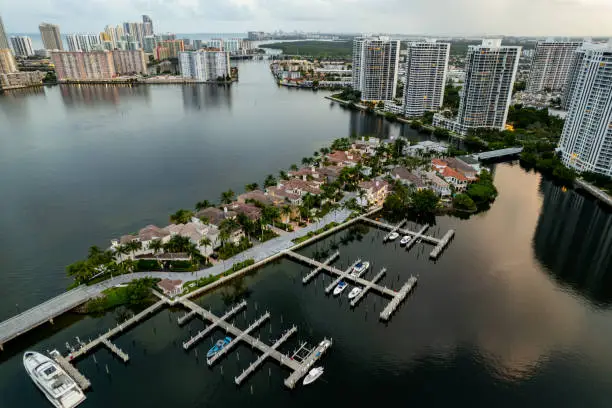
pixel 104 338
pixel 201 334
pixel 394 303
pixel 71 370
pixel 243 335
pixel 299 368
pixel 413 241
pixel 265 355
pixel 367 287
pixel 395 229
pixel 314 273
pixel 187 316
pixel 341 277
pixel 442 244
pixel 307 363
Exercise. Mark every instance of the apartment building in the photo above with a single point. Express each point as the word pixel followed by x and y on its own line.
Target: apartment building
pixel 83 66
pixel 551 66
pixel 51 37
pixel 204 65
pixel 22 46
pixel 375 67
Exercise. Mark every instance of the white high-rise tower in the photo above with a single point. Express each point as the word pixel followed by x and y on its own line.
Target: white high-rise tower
pixel 375 66
pixel 551 65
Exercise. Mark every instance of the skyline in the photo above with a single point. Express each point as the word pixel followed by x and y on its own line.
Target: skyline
pixel 443 18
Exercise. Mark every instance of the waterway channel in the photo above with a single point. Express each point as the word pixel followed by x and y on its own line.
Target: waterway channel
pixel 515 312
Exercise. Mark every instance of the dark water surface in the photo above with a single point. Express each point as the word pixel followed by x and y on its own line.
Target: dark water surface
pixel 516 312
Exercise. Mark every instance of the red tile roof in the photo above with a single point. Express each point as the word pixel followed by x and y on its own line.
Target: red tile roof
pixel 450 172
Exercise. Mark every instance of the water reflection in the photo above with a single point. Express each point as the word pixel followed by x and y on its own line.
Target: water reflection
pixel 75 96
pixel 573 238
pixel 14 103
pixel 207 96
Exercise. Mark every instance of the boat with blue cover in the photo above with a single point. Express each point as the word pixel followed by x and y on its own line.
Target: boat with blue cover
pixel 219 345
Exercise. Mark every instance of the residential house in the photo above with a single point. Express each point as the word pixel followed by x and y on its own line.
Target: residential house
pixel 330 173
pixel 437 184
pixel 145 236
pixel 215 216
pixel 458 165
pixel 406 177
pixel 171 288
pixel 195 230
pixel 259 197
pixel 344 158
pixel 294 190
pixel 426 146
pixel 376 191
pixel 457 179
pixel 366 146
pixel 251 211
pixel 471 161
pixel 308 174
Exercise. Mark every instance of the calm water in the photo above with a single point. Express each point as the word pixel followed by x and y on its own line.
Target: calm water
pixel 515 313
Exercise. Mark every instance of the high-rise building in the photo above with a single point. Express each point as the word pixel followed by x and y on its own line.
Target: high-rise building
pixel 586 140
pixel 7 62
pixel 82 42
pixel 22 46
pixel 550 66
pixel 485 97
pixel 426 66
pixel 51 37
pixel 256 35
pixel 198 44
pixel 4 44
pixel 149 43
pixel 129 62
pixel 204 65
pixel 169 49
pixel 111 34
pixel 83 66
pixel 375 66
pixel 148 25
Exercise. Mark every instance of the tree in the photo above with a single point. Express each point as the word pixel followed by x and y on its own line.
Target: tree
pixel 270 214
pixel 293 167
pixel 283 175
pixel 181 217
pixel 134 246
pixel 251 187
pixel 464 202
pixel 424 201
pixel 205 242
pixel 177 243
pixel 156 246
pixel 286 210
pixel 269 181
pixel 122 250
pixel 227 196
pixel 200 205
pixel 483 190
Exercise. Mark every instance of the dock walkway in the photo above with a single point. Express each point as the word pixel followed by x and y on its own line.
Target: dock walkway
pixel 71 370
pixel 201 334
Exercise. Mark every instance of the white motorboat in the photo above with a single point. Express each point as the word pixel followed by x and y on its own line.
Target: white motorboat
pixel 59 388
pixel 360 268
pixel 354 292
pixel 313 375
pixel 405 240
pixel 393 236
pixel 340 288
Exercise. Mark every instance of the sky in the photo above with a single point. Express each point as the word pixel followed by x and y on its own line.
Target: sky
pixel 429 17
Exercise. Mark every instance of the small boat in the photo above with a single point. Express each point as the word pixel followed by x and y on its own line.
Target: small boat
pixel 354 292
pixel 219 345
pixel 360 268
pixel 59 388
pixel 393 236
pixel 313 375
pixel 341 286
pixel 405 240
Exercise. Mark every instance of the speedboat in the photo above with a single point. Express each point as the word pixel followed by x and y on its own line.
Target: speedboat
pixel 360 268
pixel 340 287
pixel 59 388
pixel 393 236
pixel 219 345
pixel 405 240
pixel 313 375
pixel 354 292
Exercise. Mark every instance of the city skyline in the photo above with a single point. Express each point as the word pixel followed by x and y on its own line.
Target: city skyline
pixel 444 17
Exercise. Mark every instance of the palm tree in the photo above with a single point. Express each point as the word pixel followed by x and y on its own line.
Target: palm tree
pixel 286 210
pixel 156 246
pixel 306 161
pixel 224 236
pixel 122 250
pixel 227 196
pixel 283 175
pixel 269 181
pixel 127 266
pixel 294 167
pixel 200 205
pixel 205 242
pixel 181 217
pixel 251 187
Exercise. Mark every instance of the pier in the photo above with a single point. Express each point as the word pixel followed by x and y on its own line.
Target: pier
pixel 71 370
pixel 341 276
pixel 366 285
pixel 299 369
pixel 195 310
pixel 395 229
pixel 440 243
pixel 314 273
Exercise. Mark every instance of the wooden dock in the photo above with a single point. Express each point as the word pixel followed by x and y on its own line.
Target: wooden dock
pixel 394 229
pixel 203 333
pixel 435 253
pixel 71 370
pixel 395 302
pixel 186 317
pixel 340 277
pixel 367 287
pixel 414 240
pixel 299 369
pixel 314 273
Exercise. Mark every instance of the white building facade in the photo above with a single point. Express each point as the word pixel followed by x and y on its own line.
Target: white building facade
pixel 22 46
pixel 586 141
pixel 375 67
pixel 204 65
pixel 551 65
pixel 83 42
pixel 485 97
pixel 426 67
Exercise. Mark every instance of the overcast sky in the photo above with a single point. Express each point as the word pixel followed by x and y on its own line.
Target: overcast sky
pixel 434 17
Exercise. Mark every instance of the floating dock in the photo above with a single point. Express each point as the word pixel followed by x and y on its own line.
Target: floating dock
pixel 367 287
pixel 201 334
pixel 395 302
pixel 71 370
pixel 314 273
pixel 394 229
pixel 341 277
pixel 299 369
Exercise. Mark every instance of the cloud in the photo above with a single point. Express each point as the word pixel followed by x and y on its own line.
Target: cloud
pixel 431 17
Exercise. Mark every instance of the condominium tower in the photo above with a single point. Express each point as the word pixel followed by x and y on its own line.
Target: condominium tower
pixel 22 46
pixel 204 65
pixel 83 66
pixel 7 62
pixel 375 66
pixel 147 25
pixel 3 40
pixel 51 38
pixel 83 42
pixel 551 65
pixel 485 97
pixel 426 66
pixel 586 140
pixel 129 62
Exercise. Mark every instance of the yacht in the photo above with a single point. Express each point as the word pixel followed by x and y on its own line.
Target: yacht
pixel 360 268
pixel 405 240
pixel 58 387
pixel 354 292
pixel 341 286
pixel 313 375
pixel 219 345
pixel 393 236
